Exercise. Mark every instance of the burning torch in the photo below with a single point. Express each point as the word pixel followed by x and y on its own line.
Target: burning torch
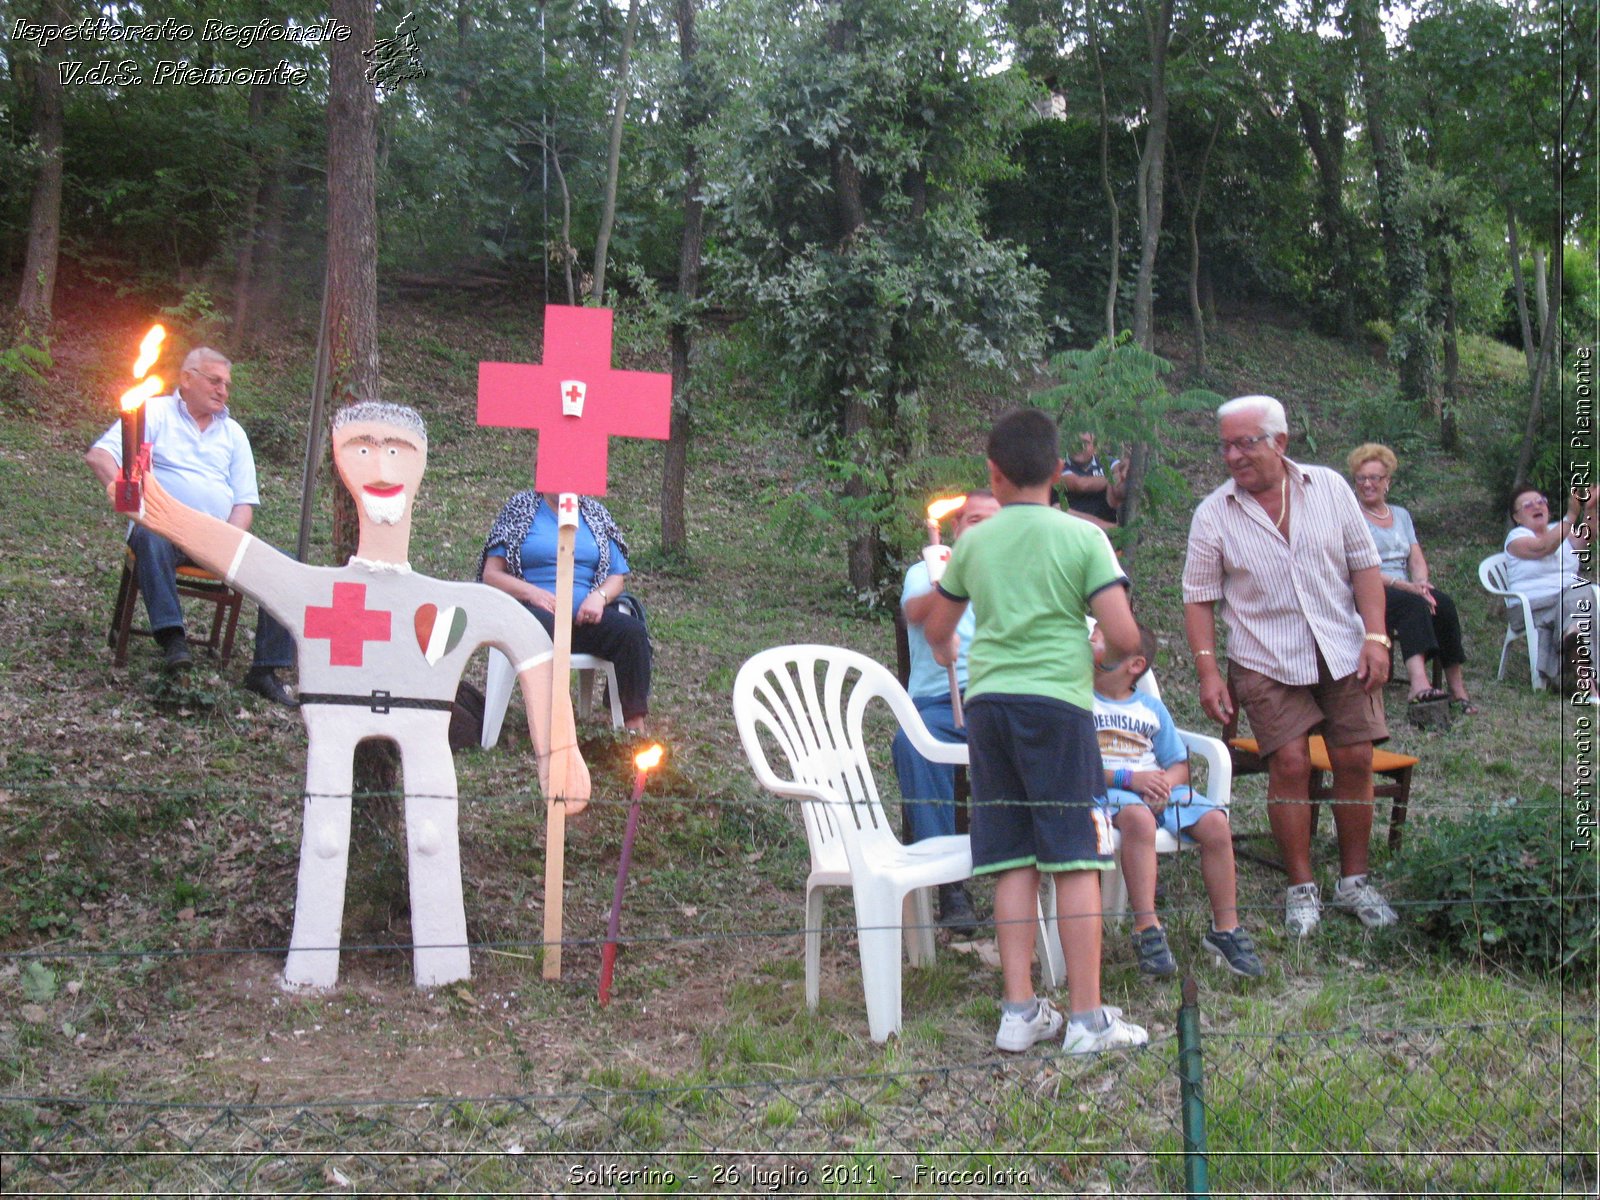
pixel 936 554
pixel 644 762
pixel 135 450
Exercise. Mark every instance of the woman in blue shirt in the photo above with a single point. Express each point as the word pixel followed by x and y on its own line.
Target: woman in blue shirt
pixel 519 558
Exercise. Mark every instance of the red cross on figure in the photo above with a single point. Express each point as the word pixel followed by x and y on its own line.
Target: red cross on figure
pixel 348 625
pixel 573 450
pixel 568 504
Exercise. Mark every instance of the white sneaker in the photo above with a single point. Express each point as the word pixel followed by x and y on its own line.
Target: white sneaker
pixel 1302 909
pixel 1116 1035
pixel 1018 1033
pixel 1363 901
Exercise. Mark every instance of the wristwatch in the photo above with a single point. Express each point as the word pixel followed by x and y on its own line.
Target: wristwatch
pixel 1381 638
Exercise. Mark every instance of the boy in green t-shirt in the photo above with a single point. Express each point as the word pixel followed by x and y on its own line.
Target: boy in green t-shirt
pixel 1032 573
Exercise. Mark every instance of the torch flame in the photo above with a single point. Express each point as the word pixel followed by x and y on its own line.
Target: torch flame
pixel 149 350
pixel 940 509
pixel 649 758
pixel 140 392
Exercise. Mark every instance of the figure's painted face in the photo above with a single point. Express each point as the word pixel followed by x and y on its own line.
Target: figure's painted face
pixel 382 465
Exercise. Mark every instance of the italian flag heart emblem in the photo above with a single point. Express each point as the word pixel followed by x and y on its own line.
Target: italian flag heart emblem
pixel 439 630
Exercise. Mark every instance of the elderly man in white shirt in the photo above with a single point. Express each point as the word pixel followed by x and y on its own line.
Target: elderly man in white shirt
pixel 1285 550
pixel 202 456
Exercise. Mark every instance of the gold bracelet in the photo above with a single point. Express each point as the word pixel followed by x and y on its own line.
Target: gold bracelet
pixel 1205 653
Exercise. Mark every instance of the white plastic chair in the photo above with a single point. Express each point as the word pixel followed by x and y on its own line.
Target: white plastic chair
pixel 501 678
pixel 1492 574
pixel 1219 789
pixel 806 703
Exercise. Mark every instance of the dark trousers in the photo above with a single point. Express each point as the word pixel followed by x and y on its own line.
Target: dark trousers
pixel 157 568
pixel 1423 632
pixel 624 642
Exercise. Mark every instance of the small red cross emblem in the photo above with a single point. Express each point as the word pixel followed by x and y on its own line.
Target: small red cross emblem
pixel 348 625
pixel 568 504
pixel 574 393
pixel 573 450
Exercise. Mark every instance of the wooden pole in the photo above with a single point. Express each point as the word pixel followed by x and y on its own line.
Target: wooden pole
pixel 563 739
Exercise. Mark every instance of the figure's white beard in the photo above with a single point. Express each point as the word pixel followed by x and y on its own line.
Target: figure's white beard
pixel 384 510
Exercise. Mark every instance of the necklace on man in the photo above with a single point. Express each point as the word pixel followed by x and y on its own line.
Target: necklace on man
pixel 1283 502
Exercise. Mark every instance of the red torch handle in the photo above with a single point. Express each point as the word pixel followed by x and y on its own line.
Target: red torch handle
pixel 608 954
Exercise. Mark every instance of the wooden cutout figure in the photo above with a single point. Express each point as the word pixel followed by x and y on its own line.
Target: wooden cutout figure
pixel 577 402
pixel 381 651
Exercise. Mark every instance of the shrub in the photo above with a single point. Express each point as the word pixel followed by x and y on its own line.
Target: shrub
pixel 1507 885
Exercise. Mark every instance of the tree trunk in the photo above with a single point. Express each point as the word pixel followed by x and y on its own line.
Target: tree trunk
pixel 1519 285
pixel 1541 372
pixel 608 208
pixel 1327 142
pixel 1114 267
pixel 675 465
pixel 36 299
pixel 377 864
pixel 1452 357
pixel 1152 173
pixel 266 167
pixel 1541 286
pixel 1403 239
pixel 1197 316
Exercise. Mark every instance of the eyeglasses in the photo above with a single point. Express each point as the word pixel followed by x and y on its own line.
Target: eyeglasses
pixel 1373 479
pixel 1526 505
pixel 1244 445
pixel 216 381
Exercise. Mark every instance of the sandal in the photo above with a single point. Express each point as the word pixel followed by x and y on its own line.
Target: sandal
pixel 1465 707
pixel 1431 696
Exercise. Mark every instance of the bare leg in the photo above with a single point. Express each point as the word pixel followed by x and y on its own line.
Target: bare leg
pixel 1352 807
pixel 1216 868
pixel 433 853
pixel 1417 670
pixel 1289 780
pixel 324 862
pixel 1078 912
pixel 1455 682
pixel 1138 827
pixel 1016 920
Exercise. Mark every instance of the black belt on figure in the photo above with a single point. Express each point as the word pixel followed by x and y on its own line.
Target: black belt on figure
pixel 377 700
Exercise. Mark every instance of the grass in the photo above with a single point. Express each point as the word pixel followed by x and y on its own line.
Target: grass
pixel 166 824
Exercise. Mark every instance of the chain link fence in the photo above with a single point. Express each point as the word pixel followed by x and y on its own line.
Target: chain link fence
pixel 1448 1110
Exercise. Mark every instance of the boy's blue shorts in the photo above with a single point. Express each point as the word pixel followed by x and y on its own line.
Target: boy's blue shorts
pixel 1184 807
pixel 1036 784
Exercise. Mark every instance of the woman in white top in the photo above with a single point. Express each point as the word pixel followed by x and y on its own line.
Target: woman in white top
pixel 1422 617
pixel 1544 566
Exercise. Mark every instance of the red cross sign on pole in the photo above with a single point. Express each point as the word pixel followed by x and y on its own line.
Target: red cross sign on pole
pixel 575 399
pixel 577 402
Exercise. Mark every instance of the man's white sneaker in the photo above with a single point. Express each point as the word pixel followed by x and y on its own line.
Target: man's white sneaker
pixel 1302 909
pixel 1117 1034
pixel 1360 899
pixel 1018 1033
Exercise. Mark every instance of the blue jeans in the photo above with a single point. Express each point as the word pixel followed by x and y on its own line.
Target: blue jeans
pixel 928 789
pixel 157 565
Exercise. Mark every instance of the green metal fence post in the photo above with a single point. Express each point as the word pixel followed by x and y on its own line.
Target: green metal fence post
pixel 1191 1079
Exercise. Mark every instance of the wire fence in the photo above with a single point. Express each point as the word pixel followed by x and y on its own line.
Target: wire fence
pixel 1226 1108
pixel 1481 1109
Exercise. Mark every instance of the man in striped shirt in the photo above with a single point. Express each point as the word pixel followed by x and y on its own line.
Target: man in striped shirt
pixel 1285 550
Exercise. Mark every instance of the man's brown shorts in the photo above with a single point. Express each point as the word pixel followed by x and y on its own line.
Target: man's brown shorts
pixel 1339 709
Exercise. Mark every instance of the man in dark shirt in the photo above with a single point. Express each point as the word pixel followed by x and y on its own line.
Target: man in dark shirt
pixel 1091 493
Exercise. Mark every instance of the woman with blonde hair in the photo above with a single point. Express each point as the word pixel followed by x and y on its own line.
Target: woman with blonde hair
pixel 1423 618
